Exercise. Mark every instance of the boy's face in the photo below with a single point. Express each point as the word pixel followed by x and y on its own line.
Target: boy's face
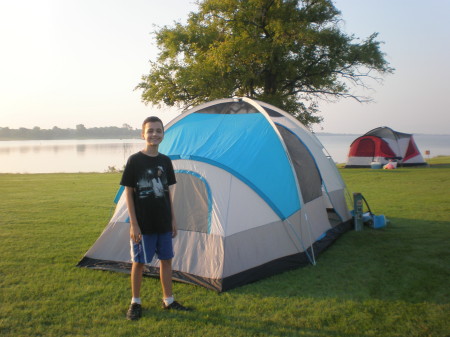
pixel 153 133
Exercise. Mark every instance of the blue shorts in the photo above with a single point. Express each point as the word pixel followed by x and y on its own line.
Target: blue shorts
pixel 151 244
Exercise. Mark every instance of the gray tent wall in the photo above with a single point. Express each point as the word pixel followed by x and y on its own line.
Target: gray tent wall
pixel 223 240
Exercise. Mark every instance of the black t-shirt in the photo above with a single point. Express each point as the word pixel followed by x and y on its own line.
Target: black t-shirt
pixel 150 177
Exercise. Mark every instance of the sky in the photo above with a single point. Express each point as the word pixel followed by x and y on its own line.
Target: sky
pixel 69 62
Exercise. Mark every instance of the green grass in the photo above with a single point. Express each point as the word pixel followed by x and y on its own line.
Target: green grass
pixel 389 282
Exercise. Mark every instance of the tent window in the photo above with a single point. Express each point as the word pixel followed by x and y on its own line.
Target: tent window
pixel 308 175
pixel 229 108
pixel 192 202
pixel 273 113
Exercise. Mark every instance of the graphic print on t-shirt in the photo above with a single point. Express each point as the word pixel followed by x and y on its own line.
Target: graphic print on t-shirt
pixel 152 184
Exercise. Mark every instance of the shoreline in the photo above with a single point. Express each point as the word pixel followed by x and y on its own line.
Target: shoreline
pixel 325 134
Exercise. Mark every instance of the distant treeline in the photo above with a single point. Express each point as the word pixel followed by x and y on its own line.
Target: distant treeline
pixel 80 132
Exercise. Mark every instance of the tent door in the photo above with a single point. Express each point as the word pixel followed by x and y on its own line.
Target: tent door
pixel 192 202
pixel 366 148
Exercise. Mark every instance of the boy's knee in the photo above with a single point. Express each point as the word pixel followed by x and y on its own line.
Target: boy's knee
pixel 138 265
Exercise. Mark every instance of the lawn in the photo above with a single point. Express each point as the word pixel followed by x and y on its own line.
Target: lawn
pixel 388 282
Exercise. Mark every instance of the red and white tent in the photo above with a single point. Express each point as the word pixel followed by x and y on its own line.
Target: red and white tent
pixel 380 145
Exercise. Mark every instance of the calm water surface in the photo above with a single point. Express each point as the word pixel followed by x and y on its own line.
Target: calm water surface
pixel 49 156
pixel 98 155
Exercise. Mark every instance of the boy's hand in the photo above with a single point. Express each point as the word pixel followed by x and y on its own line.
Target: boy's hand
pixel 135 233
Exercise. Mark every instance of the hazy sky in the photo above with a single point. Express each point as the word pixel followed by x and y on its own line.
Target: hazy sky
pixel 68 62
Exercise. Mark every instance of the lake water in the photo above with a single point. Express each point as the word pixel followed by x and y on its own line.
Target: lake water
pixel 98 155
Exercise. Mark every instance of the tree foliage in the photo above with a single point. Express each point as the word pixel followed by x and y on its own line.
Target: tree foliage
pixel 290 53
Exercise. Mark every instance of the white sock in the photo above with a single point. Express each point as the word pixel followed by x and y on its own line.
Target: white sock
pixel 136 300
pixel 168 300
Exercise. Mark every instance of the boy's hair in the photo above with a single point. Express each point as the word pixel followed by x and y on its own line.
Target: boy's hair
pixel 152 119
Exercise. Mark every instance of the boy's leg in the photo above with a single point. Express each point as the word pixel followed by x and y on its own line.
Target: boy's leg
pixel 135 310
pixel 136 279
pixel 164 251
pixel 166 277
pixel 141 253
pixel 165 255
pixel 166 282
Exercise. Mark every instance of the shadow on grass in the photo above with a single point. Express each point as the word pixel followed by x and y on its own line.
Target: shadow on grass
pixel 406 261
pixel 236 322
pixel 440 165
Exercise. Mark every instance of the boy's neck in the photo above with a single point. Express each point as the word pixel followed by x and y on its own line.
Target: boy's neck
pixel 151 151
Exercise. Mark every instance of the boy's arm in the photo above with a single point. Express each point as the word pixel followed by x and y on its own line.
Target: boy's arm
pixel 174 221
pixel 135 231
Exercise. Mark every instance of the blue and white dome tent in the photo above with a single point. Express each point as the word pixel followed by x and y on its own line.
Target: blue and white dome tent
pixel 255 195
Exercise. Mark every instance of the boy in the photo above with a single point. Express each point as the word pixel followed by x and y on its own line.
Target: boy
pixel 147 177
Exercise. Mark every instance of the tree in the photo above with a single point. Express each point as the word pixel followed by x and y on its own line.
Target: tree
pixel 127 127
pixel 81 128
pixel 290 53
